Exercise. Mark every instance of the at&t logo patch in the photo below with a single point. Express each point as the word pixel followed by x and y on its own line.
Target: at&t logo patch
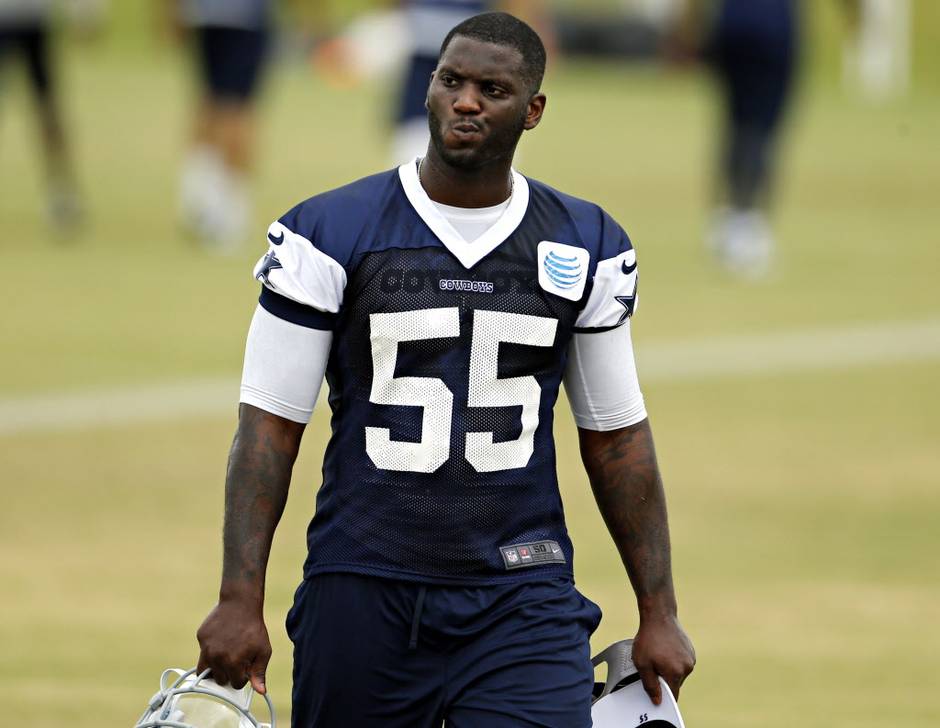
pixel 563 269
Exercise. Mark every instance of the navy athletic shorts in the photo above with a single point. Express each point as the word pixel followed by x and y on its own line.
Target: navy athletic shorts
pixel 377 652
pixel 754 52
pixel 231 60
pixel 31 43
pixel 414 91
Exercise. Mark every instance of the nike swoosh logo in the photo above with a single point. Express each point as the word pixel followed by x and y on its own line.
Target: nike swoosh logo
pixel 627 269
pixel 276 240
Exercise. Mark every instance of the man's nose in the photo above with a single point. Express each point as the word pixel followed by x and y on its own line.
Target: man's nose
pixel 468 100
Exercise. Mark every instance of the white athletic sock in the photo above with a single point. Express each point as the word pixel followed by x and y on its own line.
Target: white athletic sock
pixel 742 242
pixel 201 173
pixel 228 213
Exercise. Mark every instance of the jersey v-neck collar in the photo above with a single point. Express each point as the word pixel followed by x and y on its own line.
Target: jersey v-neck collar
pixel 468 253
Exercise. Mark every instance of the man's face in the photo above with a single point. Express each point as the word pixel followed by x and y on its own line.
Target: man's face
pixel 479 104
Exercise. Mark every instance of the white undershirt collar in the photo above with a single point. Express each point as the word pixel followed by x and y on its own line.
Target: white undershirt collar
pixel 468 253
pixel 472 222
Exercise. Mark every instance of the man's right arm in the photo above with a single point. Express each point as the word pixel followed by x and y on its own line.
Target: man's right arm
pixel 286 355
pixel 233 639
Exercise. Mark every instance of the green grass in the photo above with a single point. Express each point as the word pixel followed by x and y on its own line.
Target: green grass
pixel 802 506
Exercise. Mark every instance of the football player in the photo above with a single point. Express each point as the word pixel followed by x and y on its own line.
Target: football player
pixel 445 301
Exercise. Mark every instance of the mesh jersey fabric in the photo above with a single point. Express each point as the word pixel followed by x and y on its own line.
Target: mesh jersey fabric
pixel 442 379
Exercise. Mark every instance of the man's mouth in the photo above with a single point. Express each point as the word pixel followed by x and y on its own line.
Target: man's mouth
pixel 465 128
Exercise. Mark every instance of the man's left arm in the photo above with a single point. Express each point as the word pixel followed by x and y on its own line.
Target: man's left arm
pixel 621 465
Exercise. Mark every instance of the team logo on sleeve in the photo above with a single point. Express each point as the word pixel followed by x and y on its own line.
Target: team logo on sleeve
pixel 268 263
pixel 629 306
pixel 563 269
pixel 628 301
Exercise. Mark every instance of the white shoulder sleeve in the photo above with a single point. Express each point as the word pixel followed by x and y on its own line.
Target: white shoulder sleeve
pixel 284 366
pixel 601 380
pixel 294 268
pixel 613 298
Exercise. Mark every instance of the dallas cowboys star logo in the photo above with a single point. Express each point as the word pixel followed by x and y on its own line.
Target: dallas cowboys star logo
pixel 269 263
pixel 628 302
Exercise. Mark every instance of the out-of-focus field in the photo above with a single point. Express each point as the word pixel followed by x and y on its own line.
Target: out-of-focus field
pixel 803 503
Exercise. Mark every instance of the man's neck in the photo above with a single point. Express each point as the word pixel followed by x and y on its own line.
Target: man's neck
pixel 483 187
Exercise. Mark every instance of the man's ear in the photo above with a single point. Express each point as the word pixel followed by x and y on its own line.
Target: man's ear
pixel 534 111
pixel 428 93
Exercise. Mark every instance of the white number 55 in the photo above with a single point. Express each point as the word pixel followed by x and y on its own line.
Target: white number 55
pixel 490 328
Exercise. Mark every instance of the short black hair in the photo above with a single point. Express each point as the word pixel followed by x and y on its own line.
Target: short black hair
pixel 507 30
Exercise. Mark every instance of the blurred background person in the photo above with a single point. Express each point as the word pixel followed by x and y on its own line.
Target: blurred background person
pixel 876 55
pixel 752 47
pixel 230 42
pixel 26 36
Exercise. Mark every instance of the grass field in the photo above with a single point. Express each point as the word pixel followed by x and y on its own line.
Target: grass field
pixel 803 503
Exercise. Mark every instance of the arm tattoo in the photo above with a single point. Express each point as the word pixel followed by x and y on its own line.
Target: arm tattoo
pixel 621 466
pixel 256 485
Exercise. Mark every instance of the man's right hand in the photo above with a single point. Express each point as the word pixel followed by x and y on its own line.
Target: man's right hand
pixel 234 645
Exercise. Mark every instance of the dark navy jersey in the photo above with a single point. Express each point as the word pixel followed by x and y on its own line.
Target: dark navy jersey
pixel 444 368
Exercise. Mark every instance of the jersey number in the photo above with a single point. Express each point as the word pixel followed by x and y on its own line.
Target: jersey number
pixel 437 401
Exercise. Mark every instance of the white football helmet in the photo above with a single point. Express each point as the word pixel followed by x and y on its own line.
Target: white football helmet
pixel 622 702
pixel 196 701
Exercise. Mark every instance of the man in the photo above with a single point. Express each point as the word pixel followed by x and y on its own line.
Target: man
pixel 445 300
pixel 753 50
pixel 26 31
pixel 752 46
pixel 230 39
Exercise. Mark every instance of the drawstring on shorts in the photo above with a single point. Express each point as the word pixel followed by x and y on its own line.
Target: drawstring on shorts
pixel 416 619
